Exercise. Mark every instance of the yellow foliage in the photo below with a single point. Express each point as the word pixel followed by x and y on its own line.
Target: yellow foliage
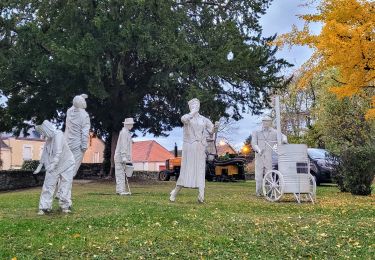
pixel 346 42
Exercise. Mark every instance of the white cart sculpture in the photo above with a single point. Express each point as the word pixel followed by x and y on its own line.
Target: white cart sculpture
pixel 293 173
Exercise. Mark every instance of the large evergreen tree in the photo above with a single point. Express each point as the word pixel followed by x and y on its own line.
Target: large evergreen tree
pixel 135 58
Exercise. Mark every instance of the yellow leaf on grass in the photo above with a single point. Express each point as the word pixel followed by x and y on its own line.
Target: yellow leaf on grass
pixel 76 235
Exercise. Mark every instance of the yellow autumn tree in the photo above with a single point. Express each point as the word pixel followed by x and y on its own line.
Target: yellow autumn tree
pixel 346 42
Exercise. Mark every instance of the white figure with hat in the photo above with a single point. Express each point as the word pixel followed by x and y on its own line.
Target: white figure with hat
pixel 263 143
pixel 196 130
pixel 123 158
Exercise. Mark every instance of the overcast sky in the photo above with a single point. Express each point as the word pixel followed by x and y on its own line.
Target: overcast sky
pixel 279 19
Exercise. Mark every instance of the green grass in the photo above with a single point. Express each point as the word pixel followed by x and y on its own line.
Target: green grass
pixel 232 224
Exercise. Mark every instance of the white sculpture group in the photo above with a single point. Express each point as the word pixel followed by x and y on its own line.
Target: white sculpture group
pixel 63 154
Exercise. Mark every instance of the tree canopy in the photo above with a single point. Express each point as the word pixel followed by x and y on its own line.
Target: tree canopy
pixel 142 59
pixel 346 42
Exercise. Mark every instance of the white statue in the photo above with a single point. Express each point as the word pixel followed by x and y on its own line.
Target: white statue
pixel 77 128
pixel 58 161
pixel 263 143
pixel 123 157
pixel 196 130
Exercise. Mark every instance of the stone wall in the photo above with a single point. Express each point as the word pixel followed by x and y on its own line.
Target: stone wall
pixel 20 179
pixel 90 171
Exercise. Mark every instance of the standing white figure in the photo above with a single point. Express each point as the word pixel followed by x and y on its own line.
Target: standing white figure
pixel 58 161
pixel 123 157
pixel 77 128
pixel 193 165
pixel 263 142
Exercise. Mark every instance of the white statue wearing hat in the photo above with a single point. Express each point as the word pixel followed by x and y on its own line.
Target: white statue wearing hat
pixel 123 157
pixel 263 142
pixel 77 128
pixel 196 130
pixel 58 161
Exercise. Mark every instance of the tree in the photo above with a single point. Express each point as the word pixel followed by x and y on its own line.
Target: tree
pixel 346 42
pixel 313 115
pixel 141 59
pixel 296 108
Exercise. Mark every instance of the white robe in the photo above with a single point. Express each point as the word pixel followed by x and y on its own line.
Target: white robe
pixel 193 164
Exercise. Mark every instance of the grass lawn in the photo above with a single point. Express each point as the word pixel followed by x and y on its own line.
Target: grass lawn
pixel 232 224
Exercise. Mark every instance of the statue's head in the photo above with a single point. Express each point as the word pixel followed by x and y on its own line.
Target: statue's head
pixel 194 105
pixel 46 129
pixel 266 122
pixel 128 123
pixel 80 101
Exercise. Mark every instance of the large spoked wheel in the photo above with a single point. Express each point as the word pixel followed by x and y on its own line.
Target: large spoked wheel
pixel 312 183
pixel 273 185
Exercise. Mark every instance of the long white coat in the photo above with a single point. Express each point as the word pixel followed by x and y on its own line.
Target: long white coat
pixel 263 160
pixel 123 154
pixel 77 133
pixel 193 164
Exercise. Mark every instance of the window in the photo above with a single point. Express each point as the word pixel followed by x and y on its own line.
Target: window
pixel 302 167
pixel 96 157
pixel 27 152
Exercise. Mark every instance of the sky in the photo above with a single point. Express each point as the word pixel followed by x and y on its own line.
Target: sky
pixel 279 19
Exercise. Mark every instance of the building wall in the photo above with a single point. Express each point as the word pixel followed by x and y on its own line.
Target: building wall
pixel 5 157
pixel 148 166
pixel 95 151
pixel 23 149
pixel 31 149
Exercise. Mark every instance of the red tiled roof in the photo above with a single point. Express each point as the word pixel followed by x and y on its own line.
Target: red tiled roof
pixel 223 149
pixel 150 151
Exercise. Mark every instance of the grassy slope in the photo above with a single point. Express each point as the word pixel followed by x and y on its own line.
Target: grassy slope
pixel 232 224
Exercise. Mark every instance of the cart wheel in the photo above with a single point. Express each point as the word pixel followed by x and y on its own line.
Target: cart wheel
pixel 312 183
pixel 273 185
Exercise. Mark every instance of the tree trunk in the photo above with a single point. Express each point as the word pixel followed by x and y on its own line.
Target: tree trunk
pixel 113 148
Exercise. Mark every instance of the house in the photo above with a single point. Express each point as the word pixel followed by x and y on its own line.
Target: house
pixel 22 149
pixel 16 150
pixel 149 156
pixel 224 148
pixel 95 150
pixel 4 156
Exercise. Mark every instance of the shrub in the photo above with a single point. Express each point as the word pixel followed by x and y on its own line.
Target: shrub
pixel 356 170
pixel 30 165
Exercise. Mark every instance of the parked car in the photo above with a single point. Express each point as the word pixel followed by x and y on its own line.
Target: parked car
pixel 321 164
